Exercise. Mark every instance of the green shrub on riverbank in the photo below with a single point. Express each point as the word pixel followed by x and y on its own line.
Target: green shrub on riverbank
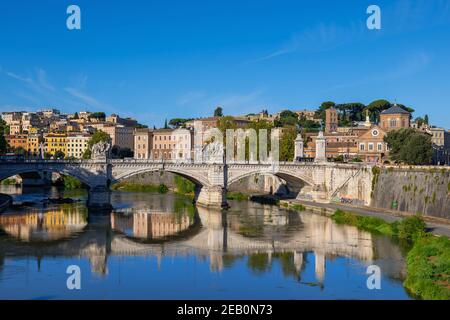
pixel 71 182
pixel 134 187
pixel 237 196
pixel 370 224
pixel 9 182
pixel 428 261
pixel 184 186
pixel 428 268
pixel 298 207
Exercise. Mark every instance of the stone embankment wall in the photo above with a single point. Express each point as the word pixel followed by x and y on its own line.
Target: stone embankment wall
pixel 418 190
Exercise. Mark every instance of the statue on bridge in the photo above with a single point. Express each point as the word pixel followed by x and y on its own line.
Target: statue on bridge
pixel 213 152
pixel 101 150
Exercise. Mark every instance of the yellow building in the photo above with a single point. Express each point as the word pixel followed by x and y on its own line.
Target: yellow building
pixel 33 130
pixel 55 142
pixel 33 142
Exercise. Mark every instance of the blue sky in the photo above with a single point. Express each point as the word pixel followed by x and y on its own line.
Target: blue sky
pixel 162 59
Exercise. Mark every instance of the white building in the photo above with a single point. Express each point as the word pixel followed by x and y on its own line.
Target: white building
pixel 76 145
pixel 440 137
pixel 183 144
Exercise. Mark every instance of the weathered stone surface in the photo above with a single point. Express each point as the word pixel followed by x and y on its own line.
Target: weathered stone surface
pixel 414 190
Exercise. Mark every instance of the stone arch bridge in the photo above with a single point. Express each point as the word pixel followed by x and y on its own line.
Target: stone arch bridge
pixel 318 181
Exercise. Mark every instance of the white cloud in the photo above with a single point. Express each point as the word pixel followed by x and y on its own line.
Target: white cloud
pixel 322 37
pixel 43 81
pixel 85 98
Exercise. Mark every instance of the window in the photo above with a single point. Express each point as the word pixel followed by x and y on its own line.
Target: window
pixel 370 146
pixel 362 146
pixel 380 146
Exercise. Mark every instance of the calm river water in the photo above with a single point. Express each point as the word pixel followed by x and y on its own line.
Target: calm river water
pixel 156 246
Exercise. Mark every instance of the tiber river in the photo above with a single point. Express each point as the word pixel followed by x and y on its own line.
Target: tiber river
pixel 156 246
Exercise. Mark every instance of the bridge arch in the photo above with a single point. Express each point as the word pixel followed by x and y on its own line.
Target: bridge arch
pixel 78 174
pixel 196 179
pixel 294 181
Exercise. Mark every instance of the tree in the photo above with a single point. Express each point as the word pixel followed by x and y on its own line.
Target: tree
pixel 225 123
pixel 420 121
pixel 75 116
pixel 308 125
pixel 287 144
pixel 165 125
pixel 20 151
pixel 350 112
pixel 178 122
pixel 320 113
pixel 98 136
pixel 287 118
pixel 98 115
pixel 141 126
pixel 59 155
pixel 218 112
pixel 426 120
pixel 410 146
pixel 121 153
pixel 378 106
pixel 3 131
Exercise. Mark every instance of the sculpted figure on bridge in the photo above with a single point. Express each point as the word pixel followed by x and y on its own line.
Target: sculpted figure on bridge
pixel 101 150
pixel 213 152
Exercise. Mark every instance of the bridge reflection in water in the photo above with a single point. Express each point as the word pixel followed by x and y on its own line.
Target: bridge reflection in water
pixel 264 234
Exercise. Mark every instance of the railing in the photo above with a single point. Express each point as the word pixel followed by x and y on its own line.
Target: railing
pixel 345 183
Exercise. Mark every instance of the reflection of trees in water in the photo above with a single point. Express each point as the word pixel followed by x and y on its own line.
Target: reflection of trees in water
pixel 258 262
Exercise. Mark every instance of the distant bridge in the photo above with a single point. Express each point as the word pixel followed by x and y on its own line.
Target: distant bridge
pixel 320 181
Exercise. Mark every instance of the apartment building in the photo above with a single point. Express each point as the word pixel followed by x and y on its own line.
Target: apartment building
pixel 54 142
pixel 9 117
pixel 183 144
pixel 16 142
pixel 34 142
pixel 127 122
pixel 143 143
pixel 163 144
pixel 121 136
pixel 15 127
pixel 76 145
pixel 29 120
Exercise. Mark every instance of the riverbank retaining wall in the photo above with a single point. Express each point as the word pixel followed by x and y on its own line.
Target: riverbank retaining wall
pixel 418 190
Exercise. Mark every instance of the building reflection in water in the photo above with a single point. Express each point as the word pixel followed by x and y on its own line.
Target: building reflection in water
pixel 54 224
pixel 146 224
pixel 260 234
